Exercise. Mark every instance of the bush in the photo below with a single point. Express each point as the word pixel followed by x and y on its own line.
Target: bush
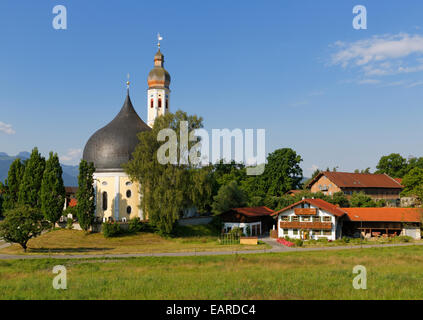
pixel 298 242
pixel 135 225
pixel 346 239
pixel 69 224
pixel 405 239
pixel 111 229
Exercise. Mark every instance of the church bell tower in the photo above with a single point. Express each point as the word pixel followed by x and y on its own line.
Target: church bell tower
pixel 158 93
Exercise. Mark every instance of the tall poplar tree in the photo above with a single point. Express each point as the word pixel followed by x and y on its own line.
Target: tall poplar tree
pixel 30 187
pixel 10 189
pixel 52 190
pixel 85 196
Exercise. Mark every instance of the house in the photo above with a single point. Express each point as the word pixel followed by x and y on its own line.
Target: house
pixel 316 218
pixel 252 220
pixel 377 186
pixel 310 219
pixel 383 221
pixel 70 200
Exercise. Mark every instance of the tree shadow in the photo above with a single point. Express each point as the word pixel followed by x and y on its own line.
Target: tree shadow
pixel 57 250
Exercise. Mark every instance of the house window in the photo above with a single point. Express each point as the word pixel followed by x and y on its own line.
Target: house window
pixel 316 219
pixel 151 103
pixel 295 232
pixel 167 104
pixel 327 219
pixel 128 193
pixel 160 102
pixel 104 201
pixel 285 218
pixel 317 232
pixel 128 209
pixel 305 218
pixel 295 218
pixel 327 232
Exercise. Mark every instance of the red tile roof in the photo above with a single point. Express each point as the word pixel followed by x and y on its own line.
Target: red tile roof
pixel 254 211
pixel 358 180
pixel 319 203
pixel 384 214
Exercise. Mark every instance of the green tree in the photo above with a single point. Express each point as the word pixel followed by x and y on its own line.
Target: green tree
pixel 21 224
pixel 30 186
pixel 413 184
pixel 52 190
pixel 229 196
pixel 167 189
pixel 339 198
pixel 360 199
pixel 282 172
pixel 393 165
pixel 10 189
pixel 85 195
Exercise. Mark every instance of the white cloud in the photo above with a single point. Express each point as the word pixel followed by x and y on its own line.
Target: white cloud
pixel 382 55
pixel 6 128
pixel 71 155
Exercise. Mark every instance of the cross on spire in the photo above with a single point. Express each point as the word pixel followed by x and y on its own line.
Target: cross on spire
pixel 159 38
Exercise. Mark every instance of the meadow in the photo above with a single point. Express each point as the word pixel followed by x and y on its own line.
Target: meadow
pixel 63 241
pixel 392 273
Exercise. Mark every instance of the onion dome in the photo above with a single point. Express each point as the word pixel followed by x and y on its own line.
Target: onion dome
pixel 158 76
pixel 112 146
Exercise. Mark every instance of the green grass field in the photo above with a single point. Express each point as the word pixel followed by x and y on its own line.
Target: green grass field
pixel 393 273
pixel 62 241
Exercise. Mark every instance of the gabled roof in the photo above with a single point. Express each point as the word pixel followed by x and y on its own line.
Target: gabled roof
pixel 254 211
pixel 319 203
pixel 358 180
pixel 384 214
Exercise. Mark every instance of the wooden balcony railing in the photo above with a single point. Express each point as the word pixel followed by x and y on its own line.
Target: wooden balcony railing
pixel 305 211
pixel 306 225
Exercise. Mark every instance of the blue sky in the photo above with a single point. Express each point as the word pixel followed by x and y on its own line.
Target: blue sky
pixel 338 96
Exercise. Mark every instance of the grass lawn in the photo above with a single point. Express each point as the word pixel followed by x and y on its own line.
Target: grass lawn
pixel 356 242
pixel 393 273
pixel 62 241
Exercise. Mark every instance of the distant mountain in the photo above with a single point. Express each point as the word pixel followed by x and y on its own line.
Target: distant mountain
pixel 70 173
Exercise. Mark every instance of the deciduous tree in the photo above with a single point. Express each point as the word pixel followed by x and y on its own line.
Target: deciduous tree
pixel 52 190
pixel 85 195
pixel 30 186
pixel 21 224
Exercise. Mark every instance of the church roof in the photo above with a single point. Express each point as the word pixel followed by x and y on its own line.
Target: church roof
pixel 112 146
pixel 158 76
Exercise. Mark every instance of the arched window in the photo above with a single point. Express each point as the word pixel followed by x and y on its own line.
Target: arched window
pixel 151 103
pixel 104 201
pixel 128 193
pixel 167 104
pixel 128 209
pixel 160 102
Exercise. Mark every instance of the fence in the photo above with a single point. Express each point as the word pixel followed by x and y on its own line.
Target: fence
pixel 228 238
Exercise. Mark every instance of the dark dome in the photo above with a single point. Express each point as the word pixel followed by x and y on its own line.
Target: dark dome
pixel 112 146
pixel 158 77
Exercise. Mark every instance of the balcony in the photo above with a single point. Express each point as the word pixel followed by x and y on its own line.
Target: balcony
pixel 305 211
pixel 305 225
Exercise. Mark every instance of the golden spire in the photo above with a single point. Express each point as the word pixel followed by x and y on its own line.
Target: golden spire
pixel 127 82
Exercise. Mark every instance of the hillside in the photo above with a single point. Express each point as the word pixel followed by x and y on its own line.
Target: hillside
pixel 70 173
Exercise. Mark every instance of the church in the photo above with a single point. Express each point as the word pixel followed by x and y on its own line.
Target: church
pixel 117 197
